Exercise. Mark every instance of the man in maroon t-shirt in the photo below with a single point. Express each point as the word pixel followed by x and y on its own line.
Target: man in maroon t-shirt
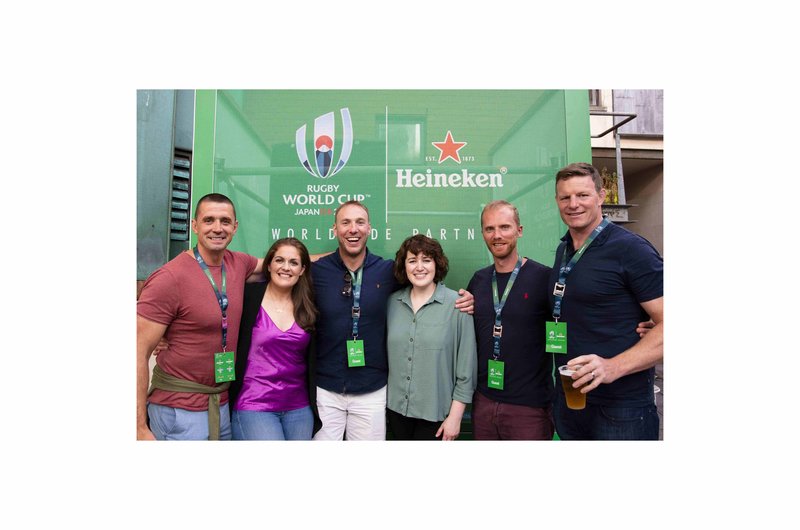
pixel 180 303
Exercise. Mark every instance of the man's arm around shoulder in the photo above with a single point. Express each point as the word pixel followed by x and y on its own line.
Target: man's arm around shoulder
pixel 258 274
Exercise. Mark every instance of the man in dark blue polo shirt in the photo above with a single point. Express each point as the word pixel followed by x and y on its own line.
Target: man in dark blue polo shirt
pixel 351 288
pixel 604 280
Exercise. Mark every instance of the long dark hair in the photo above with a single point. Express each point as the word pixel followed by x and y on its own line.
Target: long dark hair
pixel 305 311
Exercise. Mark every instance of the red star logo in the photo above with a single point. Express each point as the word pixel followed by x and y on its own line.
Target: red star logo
pixel 449 148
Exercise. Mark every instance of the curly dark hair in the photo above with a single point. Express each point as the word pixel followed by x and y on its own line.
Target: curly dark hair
pixel 415 245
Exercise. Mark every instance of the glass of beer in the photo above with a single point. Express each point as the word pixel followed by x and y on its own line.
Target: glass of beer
pixel 575 400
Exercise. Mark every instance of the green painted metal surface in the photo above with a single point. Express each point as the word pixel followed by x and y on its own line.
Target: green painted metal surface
pixel 514 141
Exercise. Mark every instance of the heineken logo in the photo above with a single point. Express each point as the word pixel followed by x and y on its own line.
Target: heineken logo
pixel 441 178
pixel 449 148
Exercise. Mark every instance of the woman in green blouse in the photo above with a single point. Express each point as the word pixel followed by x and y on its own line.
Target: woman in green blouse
pixel 431 347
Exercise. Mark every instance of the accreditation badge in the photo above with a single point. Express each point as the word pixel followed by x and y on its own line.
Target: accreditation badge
pixel 223 367
pixel 355 353
pixel 496 374
pixel 555 337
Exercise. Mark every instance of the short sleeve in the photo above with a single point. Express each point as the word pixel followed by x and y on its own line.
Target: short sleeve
pixel 644 270
pixel 159 299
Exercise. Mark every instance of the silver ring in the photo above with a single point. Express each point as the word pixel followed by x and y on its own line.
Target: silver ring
pixel 592 374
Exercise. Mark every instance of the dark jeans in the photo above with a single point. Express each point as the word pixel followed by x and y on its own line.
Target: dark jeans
pixel 492 420
pixel 405 428
pixel 598 422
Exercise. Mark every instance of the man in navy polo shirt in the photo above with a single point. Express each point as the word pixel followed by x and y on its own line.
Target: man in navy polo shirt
pixel 513 397
pixel 351 288
pixel 605 280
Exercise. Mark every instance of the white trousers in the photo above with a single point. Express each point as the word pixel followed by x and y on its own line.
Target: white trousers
pixel 358 416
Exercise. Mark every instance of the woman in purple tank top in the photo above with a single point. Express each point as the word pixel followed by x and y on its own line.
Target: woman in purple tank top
pixel 271 395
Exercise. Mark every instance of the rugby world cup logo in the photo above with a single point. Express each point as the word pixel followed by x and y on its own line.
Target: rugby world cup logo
pixel 324 127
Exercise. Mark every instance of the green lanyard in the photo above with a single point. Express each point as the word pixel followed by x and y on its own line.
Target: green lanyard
pixel 497 332
pixel 222 298
pixel 566 268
